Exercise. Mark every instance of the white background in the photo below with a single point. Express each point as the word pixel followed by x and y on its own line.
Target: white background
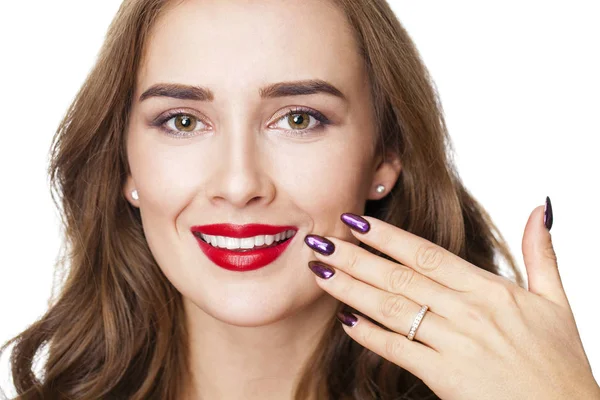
pixel 519 85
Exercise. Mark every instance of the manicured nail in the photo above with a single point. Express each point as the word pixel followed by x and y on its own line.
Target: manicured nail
pixel 548 217
pixel 356 222
pixel 321 270
pixel 319 244
pixel 347 318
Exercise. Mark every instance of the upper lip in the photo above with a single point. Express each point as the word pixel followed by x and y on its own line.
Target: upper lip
pixel 241 231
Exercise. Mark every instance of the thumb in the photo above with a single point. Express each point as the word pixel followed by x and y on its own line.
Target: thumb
pixel 539 256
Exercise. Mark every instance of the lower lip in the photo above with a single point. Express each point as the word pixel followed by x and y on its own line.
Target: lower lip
pixel 242 261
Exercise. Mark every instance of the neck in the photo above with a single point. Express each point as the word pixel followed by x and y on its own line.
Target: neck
pixel 265 362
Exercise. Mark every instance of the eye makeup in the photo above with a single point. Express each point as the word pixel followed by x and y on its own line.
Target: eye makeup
pixel 161 122
pixel 322 119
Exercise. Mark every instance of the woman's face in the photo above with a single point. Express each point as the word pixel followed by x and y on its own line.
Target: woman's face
pixel 234 157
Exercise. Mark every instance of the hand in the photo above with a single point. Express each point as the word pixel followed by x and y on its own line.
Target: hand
pixel 483 337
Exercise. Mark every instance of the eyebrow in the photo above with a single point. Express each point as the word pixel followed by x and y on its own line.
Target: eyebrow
pixel 280 89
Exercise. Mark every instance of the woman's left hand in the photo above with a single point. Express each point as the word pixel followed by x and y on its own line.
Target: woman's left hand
pixel 483 337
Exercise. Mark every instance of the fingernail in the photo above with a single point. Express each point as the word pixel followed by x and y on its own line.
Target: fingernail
pixel 319 244
pixel 347 318
pixel 321 270
pixel 548 217
pixel 356 222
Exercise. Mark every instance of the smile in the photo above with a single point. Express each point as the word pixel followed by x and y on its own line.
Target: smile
pixel 244 244
pixel 243 247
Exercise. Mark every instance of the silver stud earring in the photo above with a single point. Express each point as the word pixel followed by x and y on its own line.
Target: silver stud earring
pixel 134 194
pixel 380 188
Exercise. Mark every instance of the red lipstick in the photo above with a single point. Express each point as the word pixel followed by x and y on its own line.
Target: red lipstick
pixel 242 259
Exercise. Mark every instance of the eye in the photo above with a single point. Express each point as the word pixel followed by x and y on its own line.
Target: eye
pixel 180 124
pixel 302 120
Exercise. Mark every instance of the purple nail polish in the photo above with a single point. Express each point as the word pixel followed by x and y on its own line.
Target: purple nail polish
pixel 356 222
pixel 321 270
pixel 548 217
pixel 347 318
pixel 319 244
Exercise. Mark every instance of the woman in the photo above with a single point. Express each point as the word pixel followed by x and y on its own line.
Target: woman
pixel 323 141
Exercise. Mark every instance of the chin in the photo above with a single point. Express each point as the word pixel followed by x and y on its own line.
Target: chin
pixel 245 312
pixel 252 305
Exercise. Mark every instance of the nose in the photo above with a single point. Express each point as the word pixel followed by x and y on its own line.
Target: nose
pixel 241 178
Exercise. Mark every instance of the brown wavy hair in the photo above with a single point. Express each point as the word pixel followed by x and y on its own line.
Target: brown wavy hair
pixel 113 329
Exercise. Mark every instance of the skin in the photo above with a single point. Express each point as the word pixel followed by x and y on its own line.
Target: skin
pixel 241 165
pixel 251 332
pixel 484 337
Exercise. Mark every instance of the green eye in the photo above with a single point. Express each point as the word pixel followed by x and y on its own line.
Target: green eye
pixel 299 120
pixel 185 123
pixel 302 121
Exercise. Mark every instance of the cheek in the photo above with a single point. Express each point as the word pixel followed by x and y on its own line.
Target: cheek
pixel 166 177
pixel 326 178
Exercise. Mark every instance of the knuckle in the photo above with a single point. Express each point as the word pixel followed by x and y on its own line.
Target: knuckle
pixel 394 348
pixel 366 336
pixel 429 257
pixel 503 293
pixel 475 315
pixel 345 290
pixel 384 239
pixel 353 262
pixel 549 252
pixel 393 307
pixel 400 279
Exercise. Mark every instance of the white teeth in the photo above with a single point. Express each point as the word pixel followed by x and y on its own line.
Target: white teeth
pixel 245 243
pixel 233 243
pixel 259 240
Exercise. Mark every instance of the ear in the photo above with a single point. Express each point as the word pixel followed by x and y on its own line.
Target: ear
pixel 387 171
pixel 128 188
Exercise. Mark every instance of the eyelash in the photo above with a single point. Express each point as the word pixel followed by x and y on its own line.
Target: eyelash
pixel 322 119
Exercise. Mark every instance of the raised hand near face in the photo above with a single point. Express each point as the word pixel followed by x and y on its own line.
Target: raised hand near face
pixel 482 336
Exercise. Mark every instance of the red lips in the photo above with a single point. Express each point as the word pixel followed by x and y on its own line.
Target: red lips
pixel 249 259
pixel 240 231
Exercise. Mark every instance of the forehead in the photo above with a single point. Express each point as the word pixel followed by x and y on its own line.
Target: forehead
pixel 240 45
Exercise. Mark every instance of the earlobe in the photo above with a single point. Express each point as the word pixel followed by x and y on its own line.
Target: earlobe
pixel 130 192
pixel 385 177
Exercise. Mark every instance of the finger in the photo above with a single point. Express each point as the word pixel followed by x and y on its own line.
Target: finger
pixel 540 258
pixel 396 312
pixel 413 356
pixel 390 276
pixel 423 256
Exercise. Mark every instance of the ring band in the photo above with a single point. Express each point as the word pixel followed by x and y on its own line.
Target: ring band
pixel 416 322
